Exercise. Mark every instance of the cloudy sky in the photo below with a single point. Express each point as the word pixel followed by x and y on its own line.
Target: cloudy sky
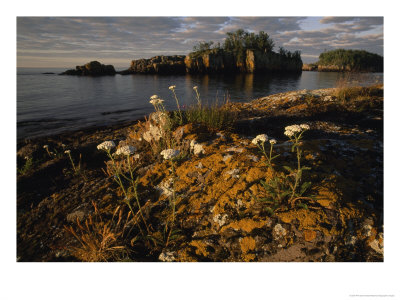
pixel 67 42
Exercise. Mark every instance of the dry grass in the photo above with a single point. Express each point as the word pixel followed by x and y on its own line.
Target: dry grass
pixel 100 241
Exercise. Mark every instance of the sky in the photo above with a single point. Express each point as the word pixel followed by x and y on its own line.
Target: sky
pixel 69 41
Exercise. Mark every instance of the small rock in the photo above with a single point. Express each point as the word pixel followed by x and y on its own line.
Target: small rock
pixel 234 149
pixel 234 173
pixel 165 187
pixel 253 158
pixel 221 135
pixel 279 231
pixel 367 230
pixel 72 217
pixel 227 157
pixel 376 246
pixel 351 241
pixel 220 220
pixel 167 256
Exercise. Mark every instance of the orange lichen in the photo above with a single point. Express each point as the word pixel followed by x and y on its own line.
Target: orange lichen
pixel 246 225
pixel 247 244
pixel 308 220
pixel 200 247
pixel 309 235
pixel 254 174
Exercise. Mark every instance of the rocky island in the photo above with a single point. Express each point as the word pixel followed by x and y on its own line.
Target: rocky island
pixel 342 60
pixel 93 68
pixel 242 52
pixel 295 176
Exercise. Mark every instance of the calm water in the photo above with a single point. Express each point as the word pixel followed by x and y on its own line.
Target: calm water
pixel 51 104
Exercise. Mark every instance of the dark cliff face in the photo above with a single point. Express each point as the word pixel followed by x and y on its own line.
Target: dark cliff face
pixel 158 65
pixel 252 62
pixel 93 68
pixel 217 62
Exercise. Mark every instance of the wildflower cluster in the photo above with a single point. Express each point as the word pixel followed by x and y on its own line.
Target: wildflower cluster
pixel 107 146
pixel 292 130
pixel 119 176
pixel 172 88
pixel 157 102
pixel 284 188
pixel 126 150
pixel 169 153
pixel 261 138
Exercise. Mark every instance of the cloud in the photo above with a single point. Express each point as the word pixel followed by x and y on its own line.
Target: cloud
pixel 115 39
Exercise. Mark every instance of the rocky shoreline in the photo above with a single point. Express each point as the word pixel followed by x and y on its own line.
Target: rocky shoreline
pixel 219 214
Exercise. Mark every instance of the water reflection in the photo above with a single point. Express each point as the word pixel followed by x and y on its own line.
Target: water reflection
pixel 70 102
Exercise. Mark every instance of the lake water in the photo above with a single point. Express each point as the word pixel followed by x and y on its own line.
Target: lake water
pixel 51 104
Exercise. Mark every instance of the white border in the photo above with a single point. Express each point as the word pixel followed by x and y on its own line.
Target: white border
pixel 202 280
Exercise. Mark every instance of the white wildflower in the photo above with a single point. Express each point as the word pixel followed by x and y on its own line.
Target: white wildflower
pixel 126 150
pixel 169 153
pixel 198 149
pixel 288 133
pixel 107 145
pixel 195 87
pixel 156 101
pixel 154 97
pixel 192 143
pixel 45 146
pixel 305 126
pixel 272 141
pixel 172 87
pixel 260 138
pixel 293 128
pixel 67 151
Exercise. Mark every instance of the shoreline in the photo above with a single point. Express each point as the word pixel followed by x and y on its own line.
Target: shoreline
pixel 218 183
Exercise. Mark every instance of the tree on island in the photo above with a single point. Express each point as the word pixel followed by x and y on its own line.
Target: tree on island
pixel 352 60
pixel 239 42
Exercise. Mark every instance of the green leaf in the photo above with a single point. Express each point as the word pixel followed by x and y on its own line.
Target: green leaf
pixel 288 168
pixel 301 205
pixel 266 200
pixel 304 187
pixel 275 156
pixel 270 211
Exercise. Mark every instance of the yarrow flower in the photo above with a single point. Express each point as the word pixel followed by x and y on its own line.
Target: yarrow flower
pixel 107 145
pixel 195 87
pixel 45 146
pixel 305 126
pixel 156 101
pixel 172 87
pixel 260 138
pixel 126 150
pixel 169 153
pixel 293 129
pixel 154 97
pixel 272 141
pixel 67 151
